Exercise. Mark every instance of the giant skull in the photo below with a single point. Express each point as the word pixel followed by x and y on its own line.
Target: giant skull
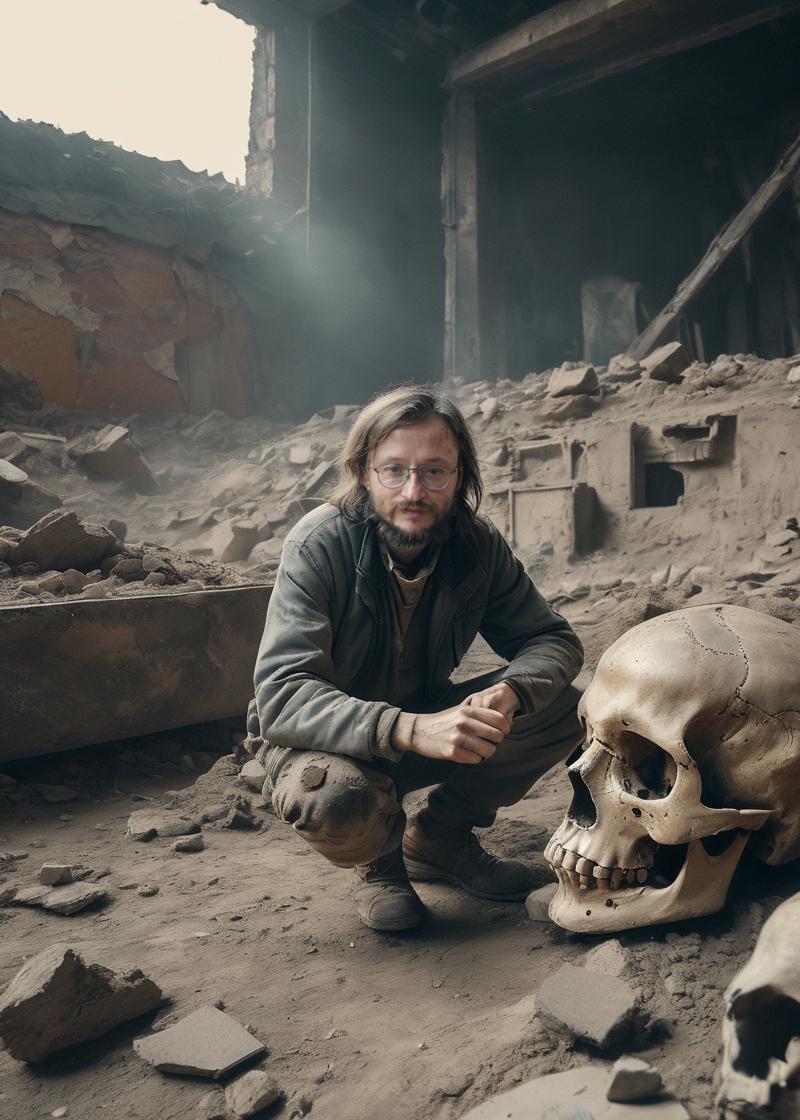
pixel 692 728
pixel 761 1028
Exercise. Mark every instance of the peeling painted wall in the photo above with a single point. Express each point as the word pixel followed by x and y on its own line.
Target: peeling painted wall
pixel 105 325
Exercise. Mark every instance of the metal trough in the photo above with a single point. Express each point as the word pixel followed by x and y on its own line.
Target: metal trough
pixel 92 670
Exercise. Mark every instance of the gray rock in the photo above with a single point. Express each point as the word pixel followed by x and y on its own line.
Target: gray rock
pixel 60 540
pixel 59 999
pixel 610 959
pixel 207 1043
pixel 251 1093
pixel 577 1094
pixel 568 381
pixel 633 1080
pixel 538 902
pixel 56 794
pixel 145 824
pixel 667 363
pixel 253 775
pixel 72 898
pixel 212 1106
pixel 111 453
pixel 194 843
pixel 601 1010
pixel 147 890
pixel 53 874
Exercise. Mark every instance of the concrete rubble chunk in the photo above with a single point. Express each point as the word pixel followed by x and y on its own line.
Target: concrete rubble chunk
pixel 251 1093
pixel 301 454
pixel 253 775
pixel 207 1043
pixel 633 1080
pixel 56 794
pixel 60 998
pixel 234 540
pixel 601 1010
pixel 71 898
pixel 577 1094
pixel 610 959
pixel 111 453
pixel 212 1106
pixel 193 843
pixel 11 475
pixel 667 363
pixel 145 824
pixel 568 381
pixel 53 874
pixel 538 902
pixel 60 540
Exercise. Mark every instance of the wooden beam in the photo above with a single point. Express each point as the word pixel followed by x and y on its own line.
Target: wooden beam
pixel 462 344
pixel 631 61
pixel 563 25
pixel 720 249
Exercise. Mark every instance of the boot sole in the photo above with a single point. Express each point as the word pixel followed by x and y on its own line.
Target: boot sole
pixel 393 927
pixel 429 872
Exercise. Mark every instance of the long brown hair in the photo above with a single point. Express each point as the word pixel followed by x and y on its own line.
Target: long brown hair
pixel 407 404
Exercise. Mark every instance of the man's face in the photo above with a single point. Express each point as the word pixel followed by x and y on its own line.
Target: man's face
pixel 412 509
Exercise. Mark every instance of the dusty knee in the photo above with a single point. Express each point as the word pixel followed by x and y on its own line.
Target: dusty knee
pixel 343 815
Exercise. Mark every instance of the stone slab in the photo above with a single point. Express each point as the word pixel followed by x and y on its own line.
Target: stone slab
pixel 592 1007
pixel 633 1080
pixel 59 999
pixel 145 824
pixel 207 1043
pixel 577 1094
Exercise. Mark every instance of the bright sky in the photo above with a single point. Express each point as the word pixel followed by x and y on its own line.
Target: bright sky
pixel 167 78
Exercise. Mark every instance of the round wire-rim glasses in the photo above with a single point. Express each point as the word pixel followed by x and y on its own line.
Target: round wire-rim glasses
pixel 394 476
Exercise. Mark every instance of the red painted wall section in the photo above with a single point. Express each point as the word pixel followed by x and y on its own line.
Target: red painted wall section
pixel 108 326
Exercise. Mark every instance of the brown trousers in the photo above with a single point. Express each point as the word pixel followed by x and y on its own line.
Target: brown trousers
pixel 351 811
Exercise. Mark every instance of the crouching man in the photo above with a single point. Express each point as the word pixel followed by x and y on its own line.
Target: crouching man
pixel 378 597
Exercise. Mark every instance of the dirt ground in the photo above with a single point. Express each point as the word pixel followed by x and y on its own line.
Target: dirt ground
pixel 421 1026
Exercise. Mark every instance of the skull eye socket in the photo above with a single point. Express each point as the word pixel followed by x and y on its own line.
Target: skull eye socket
pixel 654 771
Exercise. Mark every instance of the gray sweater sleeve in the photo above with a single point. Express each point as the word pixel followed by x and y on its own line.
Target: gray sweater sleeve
pixel 543 652
pixel 298 703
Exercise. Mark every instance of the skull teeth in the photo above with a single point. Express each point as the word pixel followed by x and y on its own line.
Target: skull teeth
pixel 585 874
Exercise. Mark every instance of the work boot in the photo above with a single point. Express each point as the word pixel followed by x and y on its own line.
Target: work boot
pixel 435 851
pixel 384 897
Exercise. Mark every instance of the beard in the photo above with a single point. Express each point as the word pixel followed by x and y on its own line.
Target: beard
pixel 441 530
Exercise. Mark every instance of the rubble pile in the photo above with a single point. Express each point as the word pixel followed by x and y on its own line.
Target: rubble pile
pixel 62 557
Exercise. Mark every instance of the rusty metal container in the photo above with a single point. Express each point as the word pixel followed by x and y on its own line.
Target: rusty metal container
pixel 92 670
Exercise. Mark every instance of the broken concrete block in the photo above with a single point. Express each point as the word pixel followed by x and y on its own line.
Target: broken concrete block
pixel 633 1080
pixel 234 540
pixel 193 843
pixel 72 898
pixel 489 406
pixel 52 582
pixel 577 1094
pixel 610 959
pixel 601 1010
pixel 53 874
pixel 253 775
pixel 111 453
pixel 207 1043
pixel 568 380
pixel 622 368
pixel 59 999
pixel 145 824
pixel 538 902
pixel 321 474
pixel 251 1093
pixel 576 407
pixel 11 476
pixel 301 454
pixel 498 458
pixel 667 363
pixel 60 540
pixel 793 376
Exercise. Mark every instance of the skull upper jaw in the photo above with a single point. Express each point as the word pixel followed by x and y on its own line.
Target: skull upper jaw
pixel 699 888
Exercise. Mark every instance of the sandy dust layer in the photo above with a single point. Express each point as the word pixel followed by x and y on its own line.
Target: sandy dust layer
pixel 357 1024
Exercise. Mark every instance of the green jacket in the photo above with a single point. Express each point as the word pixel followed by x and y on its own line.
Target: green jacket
pixel 329 632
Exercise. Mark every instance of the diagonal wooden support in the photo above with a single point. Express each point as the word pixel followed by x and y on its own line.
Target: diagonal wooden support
pixel 720 249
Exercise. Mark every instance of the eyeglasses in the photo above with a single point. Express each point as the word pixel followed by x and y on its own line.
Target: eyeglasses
pixel 394 476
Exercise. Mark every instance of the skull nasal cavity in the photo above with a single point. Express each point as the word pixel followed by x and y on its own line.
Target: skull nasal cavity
pixel 582 810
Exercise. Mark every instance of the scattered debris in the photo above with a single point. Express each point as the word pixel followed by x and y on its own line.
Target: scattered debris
pixel 538 902
pixel 207 1043
pixel 571 379
pixel 60 540
pixel 61 998
pixel 577 1094
pixel 53 874
pixel 667 363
